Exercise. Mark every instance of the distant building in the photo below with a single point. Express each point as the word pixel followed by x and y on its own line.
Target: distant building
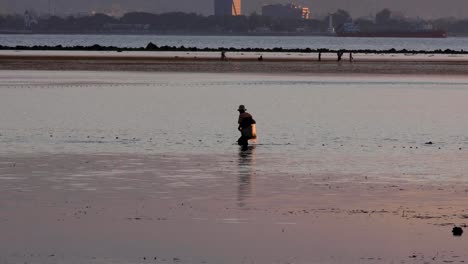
pixel 286 11
pixel 305 13
pixel 29 19
pixel 227 7
pixel 330 29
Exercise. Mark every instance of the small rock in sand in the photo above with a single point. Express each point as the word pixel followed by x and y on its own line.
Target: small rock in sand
pixel 429 143
pixel 457 231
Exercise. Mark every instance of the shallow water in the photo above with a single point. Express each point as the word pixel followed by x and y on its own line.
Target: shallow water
pixel 354 124
pixel 173 112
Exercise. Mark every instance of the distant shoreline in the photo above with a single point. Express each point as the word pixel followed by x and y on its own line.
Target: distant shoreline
pixel 147 33
pixel 275 63
pixel 151 47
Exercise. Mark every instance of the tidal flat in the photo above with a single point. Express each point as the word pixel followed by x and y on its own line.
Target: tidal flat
pixel 142 167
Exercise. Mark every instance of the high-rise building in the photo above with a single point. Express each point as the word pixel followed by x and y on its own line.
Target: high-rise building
pixel 286 11
pixel 227 7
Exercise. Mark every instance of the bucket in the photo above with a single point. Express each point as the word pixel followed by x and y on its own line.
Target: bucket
pixel 254 131
pixel 250 132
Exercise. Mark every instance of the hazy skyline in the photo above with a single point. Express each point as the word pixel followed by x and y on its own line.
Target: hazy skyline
pixel 422 8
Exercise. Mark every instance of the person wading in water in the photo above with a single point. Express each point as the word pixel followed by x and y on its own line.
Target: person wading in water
pixel 245 127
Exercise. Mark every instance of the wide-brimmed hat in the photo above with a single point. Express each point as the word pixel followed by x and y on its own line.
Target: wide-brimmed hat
pixel 242 108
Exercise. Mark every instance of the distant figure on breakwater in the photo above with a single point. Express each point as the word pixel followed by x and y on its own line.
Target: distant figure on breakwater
pixel 320 56
pixel 351 58
pixel 223 55
pixel 246 127
pixel 339 54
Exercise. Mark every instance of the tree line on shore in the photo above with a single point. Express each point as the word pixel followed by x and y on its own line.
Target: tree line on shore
pixel 191 23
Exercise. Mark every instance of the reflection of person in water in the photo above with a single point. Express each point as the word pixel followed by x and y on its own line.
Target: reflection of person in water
pixel 245 127
pixel 246 168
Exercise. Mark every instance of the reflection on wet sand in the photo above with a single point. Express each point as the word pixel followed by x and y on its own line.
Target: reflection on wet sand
pixel 246 164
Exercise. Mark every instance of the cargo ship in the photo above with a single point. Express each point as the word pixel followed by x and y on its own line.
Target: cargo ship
pixel 352 30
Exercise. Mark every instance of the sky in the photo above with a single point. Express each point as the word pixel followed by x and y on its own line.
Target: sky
pixel 357 8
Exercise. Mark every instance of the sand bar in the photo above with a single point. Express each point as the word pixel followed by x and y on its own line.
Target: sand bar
pixel 237 62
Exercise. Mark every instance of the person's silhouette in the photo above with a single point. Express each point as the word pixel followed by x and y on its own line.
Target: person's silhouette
pixel 245 126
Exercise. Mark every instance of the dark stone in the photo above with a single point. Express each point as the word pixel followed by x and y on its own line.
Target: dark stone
pixel 429 143
pixel 151 46
pixel 457 231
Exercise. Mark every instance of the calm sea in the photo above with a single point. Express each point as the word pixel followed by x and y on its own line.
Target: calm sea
pixel 312 42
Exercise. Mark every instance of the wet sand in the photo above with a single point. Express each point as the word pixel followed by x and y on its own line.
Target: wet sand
pixel 236 63
pixel 108 208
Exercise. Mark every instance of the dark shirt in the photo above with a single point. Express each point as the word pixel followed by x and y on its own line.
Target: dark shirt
pixel 245 120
